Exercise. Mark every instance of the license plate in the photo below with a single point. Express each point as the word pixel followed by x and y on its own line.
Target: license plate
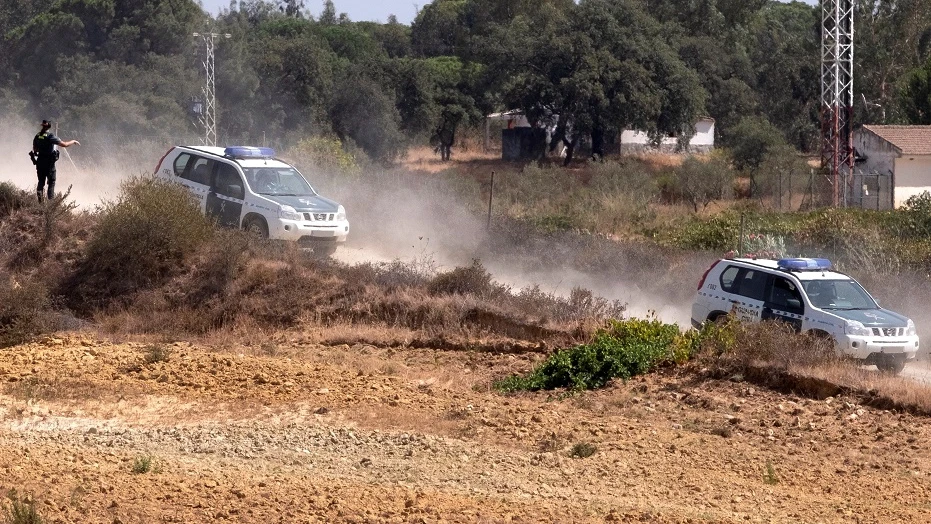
pixel 892 349
pixel 323 233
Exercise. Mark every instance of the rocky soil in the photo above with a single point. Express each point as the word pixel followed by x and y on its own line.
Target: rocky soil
pixel 290 431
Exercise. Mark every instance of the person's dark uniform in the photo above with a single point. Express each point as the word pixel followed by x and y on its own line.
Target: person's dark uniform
pixel 43 145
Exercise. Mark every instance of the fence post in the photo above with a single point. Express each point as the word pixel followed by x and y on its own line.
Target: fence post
pixel 740 240
pixel 491 195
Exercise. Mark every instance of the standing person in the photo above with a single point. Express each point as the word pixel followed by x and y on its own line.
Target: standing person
pixel 44 155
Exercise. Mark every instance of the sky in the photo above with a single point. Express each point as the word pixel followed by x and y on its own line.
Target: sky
pixel 362 10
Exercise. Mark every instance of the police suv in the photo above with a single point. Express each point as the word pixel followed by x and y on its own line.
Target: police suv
pixel 248 187
pixel 807 294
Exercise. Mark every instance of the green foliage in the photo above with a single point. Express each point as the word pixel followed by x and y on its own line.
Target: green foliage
pixel 21 510
pixel 751 140
pixel 769 474
pixel 145 464
pixel 140 239
pixel 623 349
pixel 327 155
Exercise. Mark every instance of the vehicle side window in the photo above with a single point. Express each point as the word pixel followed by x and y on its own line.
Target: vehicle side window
pixel 785 295
pixel 181 163
pixel 198 170
pixel 728 277
pixel 229 183
pixel 752 283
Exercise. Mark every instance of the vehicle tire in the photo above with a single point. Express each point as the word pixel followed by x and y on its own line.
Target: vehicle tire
pixel 256 226
pixel 892 365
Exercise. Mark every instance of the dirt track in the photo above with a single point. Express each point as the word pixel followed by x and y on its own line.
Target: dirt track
pixel 294 432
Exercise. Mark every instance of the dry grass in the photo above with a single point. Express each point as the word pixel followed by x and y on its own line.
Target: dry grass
pixel 425 160
pixel 773 355
pixel 875 388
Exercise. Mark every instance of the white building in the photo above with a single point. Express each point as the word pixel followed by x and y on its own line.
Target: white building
pixel 901 154
pixel 633 141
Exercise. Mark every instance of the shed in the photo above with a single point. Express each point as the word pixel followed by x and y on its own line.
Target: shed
pixel 900 154
pixel 635 141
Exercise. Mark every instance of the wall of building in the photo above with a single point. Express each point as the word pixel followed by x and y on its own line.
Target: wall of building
pixel 639 141
pixel 912 177
pixel 880 154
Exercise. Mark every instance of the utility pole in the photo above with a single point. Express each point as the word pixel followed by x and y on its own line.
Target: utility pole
pixel 837 158
pixel 208 117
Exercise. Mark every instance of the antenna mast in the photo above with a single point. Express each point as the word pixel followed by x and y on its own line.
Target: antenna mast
pixel 208 117
pixel 837 157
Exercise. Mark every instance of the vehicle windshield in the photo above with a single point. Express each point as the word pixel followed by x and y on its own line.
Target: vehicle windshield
pixel 838 294
pixel 277 181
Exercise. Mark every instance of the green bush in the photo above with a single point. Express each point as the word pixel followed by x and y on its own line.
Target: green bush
pixel 140 239
pixel 623 349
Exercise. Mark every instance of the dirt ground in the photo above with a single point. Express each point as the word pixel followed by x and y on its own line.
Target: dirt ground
pixel 290 431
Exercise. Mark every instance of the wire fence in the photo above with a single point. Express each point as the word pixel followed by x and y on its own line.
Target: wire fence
pixel 794 191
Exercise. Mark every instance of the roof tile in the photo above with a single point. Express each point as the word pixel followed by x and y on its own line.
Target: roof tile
pixel 910 140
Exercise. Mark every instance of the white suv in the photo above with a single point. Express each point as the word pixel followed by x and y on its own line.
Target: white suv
pixel 807 294
pixel 248 187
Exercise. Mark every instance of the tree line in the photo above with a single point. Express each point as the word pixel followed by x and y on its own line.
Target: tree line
pixel 589 68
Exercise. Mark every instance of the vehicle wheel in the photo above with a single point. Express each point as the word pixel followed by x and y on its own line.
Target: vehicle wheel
pixel 891 364
pixel 257 227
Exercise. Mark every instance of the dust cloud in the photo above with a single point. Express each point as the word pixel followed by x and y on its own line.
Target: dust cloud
pixel 420 220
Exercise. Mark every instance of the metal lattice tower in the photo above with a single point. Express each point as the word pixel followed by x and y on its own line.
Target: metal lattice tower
pixel 208 117
pixel 837 156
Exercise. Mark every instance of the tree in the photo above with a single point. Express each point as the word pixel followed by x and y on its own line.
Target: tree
pixel 701 182
pixel 752 139
pixel 603 67
pixel 328 15
pixel 915 97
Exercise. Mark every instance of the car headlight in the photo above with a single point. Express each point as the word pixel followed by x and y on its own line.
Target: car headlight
pixel 341 214
pixel 910 329
pixel 855 327
pixel 288 213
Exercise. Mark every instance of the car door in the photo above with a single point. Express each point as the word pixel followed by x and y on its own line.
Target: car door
pixel 194 173
pixel 748 290
pixel 227 193
pixel 783 302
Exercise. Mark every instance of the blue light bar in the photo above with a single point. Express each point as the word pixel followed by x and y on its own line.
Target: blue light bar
pixel 804 264
pixel 249 152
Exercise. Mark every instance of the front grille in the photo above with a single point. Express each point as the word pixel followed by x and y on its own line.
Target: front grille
pixel 888 332
pixel 319 217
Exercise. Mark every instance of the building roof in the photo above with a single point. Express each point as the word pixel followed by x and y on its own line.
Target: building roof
pixel 909 140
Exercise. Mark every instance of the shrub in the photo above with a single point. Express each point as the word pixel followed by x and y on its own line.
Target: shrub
pixel 583 450
pixel 623 349
pixel 155 353
pixel 25 309
pixel 145 464
pixel 140 239
pixel 21 510
pixel 474 280
pixel 327 155
pixel 12 198
pixel 751 139
pixel 737 345
pixel 701 182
